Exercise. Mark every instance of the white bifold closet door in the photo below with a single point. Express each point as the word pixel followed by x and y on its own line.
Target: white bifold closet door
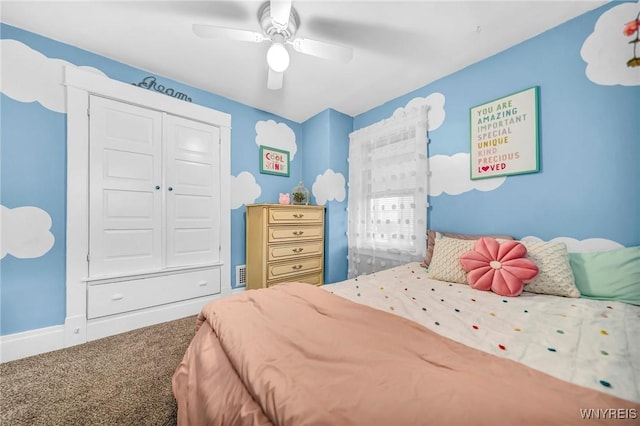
pixel 154 190
pixel 193 192
pixel 125 152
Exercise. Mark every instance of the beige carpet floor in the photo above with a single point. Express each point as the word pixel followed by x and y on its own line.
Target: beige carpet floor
pixel 119 380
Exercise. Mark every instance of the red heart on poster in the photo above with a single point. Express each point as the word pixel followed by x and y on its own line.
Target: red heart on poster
pixel 485 168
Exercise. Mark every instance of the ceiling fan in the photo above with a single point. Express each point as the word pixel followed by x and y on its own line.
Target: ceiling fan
pixel 279 22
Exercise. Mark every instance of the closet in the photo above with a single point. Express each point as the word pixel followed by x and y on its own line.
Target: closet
pixel 154 206
pixel 148 207
pixel 154 190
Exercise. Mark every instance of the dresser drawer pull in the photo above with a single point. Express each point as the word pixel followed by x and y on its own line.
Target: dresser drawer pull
pixel 202 283
pixel 298 232
pixel 296 267
pixel 117 296
pixel 298 215
pixel 297 250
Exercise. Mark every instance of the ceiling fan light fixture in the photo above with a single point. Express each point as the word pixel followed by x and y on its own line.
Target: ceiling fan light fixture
pixel 278 57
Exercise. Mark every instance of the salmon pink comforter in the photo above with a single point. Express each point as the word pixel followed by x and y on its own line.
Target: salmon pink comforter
pixel 295 354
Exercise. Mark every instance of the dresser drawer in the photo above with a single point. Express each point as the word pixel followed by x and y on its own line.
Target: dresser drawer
pixel 287 251
pixel 315 279
pixel 295 215
pixel 123 296
pixel 294 233
pixel 294 267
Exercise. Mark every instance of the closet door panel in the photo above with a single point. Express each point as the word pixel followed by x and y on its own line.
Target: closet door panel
pixel 192 153
pixel 125 168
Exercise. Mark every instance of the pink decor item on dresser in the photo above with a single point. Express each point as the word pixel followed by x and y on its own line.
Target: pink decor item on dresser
pixel 284 198
pixel 498 266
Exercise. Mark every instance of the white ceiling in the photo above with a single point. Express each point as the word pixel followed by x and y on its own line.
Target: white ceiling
pixel 398 46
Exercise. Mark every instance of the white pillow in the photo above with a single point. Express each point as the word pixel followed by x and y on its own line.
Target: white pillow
pixel 445 262
pixel 555 276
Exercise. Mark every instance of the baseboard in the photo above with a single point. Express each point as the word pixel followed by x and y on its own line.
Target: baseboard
pixel 32 342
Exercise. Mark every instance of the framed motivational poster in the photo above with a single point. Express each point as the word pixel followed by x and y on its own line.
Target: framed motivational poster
pixel 274 161
pixel 504 136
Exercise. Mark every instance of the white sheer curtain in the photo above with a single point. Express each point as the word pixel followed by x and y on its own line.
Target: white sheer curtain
pixel 387 205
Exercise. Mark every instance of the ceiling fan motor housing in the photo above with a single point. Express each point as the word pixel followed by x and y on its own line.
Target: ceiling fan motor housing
pixel 272 29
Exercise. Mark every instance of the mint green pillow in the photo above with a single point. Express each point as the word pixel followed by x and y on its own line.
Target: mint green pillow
pixel 608 275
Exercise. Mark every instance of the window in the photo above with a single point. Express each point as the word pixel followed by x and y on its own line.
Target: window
pixel 393 221
pixel 387 193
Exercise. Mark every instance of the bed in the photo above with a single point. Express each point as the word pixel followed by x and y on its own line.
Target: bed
pixel 399 347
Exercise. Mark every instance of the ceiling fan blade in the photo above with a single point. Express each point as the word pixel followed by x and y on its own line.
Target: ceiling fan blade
pixel 323 49
pixel 280 11
pixel 211 31
pixel 274 79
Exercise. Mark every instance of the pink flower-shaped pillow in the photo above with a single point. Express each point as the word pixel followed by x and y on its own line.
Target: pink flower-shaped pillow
pixel 499 267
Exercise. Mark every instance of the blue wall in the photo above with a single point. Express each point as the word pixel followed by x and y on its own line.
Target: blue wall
pixel 588 184
pixel 33 173
pixel 326 146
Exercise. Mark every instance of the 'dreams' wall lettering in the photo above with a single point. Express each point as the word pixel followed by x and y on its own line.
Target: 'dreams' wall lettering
pixel 151 84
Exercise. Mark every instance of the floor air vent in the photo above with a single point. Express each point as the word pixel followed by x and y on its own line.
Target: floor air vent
pixel 241 275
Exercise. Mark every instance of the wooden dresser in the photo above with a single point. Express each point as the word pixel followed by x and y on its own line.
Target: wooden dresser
pixel 284 243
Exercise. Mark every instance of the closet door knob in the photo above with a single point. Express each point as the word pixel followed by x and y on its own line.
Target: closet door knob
pixel 157 187
pixel 170 188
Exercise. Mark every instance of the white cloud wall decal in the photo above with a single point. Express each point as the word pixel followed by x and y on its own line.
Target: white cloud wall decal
pixel 244 190
pixel 329 186
pixel 582 246
pixel 436 108
pixel 450 174
pixel 29 76
pixel 607 50
pixel 25 232
pixel 276 135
